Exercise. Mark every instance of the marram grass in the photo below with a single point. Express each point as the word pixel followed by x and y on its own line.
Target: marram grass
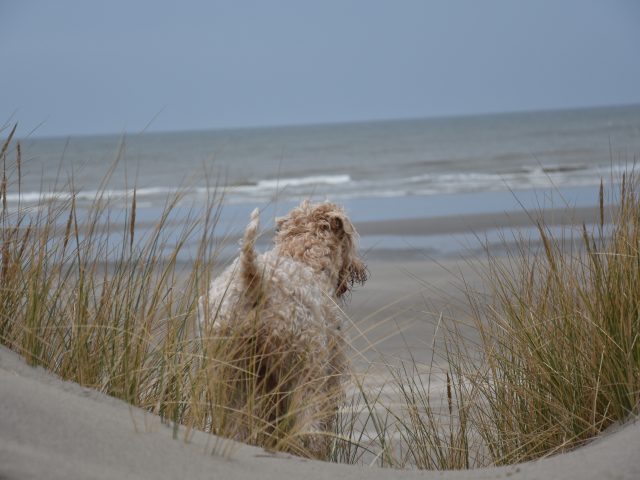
pixel 555 360
pixel 561 336
pixel 554 354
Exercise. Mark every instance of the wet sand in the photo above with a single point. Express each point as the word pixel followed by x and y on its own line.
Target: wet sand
pixel 409 291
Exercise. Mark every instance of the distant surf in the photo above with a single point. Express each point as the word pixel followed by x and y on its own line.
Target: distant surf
pixel 382 169
pixel 344 187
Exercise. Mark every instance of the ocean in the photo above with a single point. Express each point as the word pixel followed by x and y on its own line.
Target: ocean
pixel 380 170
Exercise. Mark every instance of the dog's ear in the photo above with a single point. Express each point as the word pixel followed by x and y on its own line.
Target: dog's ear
pixel 339 225
pixel 279 222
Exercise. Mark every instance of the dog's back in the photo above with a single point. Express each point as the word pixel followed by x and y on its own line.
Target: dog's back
pixel 279 310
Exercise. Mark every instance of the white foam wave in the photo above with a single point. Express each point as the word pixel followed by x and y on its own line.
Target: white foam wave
pixel 31 197
pixel 344 187
pixel 264 189
pixel 527 177
pixel 298 182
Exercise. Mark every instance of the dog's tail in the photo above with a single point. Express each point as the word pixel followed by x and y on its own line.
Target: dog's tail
pixel 248 265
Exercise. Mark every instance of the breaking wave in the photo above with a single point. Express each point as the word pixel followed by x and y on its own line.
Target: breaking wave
pixel 343 186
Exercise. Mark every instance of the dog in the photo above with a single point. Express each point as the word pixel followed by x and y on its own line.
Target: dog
pixel 283 306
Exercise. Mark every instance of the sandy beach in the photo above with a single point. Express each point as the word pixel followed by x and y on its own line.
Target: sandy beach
pixel 409 290
pixel 59 430
pixel 55 429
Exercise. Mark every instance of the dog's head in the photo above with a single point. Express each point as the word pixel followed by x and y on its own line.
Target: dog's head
pixel 322 236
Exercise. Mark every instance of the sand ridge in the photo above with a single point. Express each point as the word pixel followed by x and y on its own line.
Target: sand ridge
pixel 55 429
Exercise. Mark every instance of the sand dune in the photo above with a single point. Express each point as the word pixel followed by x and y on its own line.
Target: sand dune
pixel 51 429
pixel 55 429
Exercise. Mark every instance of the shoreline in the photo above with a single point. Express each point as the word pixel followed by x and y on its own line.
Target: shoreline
pixel 393 229
pixel 429 238
pixel 467 223
pixel 479 222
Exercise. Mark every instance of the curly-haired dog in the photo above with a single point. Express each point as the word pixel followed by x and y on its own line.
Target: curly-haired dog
pixel 282 306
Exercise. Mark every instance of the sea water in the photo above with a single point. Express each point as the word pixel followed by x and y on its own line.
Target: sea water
pixel 380 170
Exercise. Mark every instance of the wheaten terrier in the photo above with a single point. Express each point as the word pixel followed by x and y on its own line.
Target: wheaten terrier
pixel 283 306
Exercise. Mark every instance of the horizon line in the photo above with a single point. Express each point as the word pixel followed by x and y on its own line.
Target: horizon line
pixel 276 126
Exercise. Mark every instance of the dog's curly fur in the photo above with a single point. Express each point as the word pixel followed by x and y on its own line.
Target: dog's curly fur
pixel 284 304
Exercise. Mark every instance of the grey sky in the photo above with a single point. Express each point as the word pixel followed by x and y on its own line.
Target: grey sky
pixel 111 66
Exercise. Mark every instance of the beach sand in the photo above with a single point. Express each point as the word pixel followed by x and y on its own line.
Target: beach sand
pixel 58 430
pixel 409 292
pixel 395 315
pixel 55 429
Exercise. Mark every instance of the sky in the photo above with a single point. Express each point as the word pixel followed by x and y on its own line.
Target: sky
pixel 85 67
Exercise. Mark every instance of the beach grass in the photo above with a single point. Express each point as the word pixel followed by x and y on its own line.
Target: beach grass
pixel 560 335
pixel 115 310
pixel 554 357
pixel 548 359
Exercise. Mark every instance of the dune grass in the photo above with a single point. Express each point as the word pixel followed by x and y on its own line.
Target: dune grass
pixel 117 311
pixel 561 335
pixel 555 360
pixel 548 359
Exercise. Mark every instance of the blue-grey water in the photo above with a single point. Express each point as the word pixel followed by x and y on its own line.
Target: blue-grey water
pixel 379 170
